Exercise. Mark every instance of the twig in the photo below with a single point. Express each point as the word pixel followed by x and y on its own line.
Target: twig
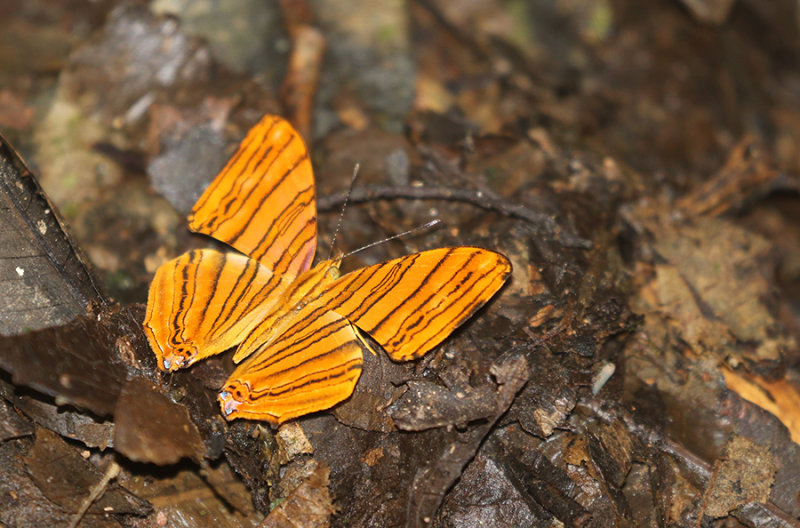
pixel 477 198
pixel 97 491
pixel 305 64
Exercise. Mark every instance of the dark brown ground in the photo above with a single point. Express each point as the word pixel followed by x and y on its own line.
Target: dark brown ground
pixel 638 163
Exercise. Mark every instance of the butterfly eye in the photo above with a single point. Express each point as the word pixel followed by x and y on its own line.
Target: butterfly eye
pixel 229 404
pixel 186 353
pixel 182 355
pixel 175 360
pixel 233 395
pixel 235 390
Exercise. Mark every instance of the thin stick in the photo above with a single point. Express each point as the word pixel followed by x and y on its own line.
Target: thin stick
pixel 477 198
pixel 97 491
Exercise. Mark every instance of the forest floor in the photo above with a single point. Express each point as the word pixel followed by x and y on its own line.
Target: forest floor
pixel 637 163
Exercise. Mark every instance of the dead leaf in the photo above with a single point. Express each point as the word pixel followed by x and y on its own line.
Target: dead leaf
pixel 76 364
pixel 308 506
pixel 66 478
pixel 743 475
pixel 152 428
pixel 45 281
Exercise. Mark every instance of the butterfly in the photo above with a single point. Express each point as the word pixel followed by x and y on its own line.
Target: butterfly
pixel 297 326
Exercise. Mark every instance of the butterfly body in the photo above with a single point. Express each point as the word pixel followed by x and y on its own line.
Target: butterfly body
pixel 296 327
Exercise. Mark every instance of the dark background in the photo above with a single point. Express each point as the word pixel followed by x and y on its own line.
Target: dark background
pixel 637 162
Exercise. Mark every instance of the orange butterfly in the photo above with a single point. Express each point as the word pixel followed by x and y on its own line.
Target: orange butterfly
pixel 295 325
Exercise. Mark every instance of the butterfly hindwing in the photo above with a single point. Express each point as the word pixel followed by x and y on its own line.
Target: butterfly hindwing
pixel 205 302
pixel 312 365
pixel 262 202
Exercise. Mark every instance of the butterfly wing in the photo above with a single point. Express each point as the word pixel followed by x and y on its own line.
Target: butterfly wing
pixel 410 304
pixel 262 202
pixel 313 365
pixel 205 302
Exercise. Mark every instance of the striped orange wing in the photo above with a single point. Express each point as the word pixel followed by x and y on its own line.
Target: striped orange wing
pixel 313 365
pixel 205 302
pixel 262 202
pixel 408 305
pixel 412 303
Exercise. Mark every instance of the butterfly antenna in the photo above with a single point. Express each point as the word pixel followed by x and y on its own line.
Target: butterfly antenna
pixel 341 213
pixel 429 225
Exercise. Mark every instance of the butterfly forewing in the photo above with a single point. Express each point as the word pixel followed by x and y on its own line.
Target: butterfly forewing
pixel 410 304
pixel 205 302
pixel 262 202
